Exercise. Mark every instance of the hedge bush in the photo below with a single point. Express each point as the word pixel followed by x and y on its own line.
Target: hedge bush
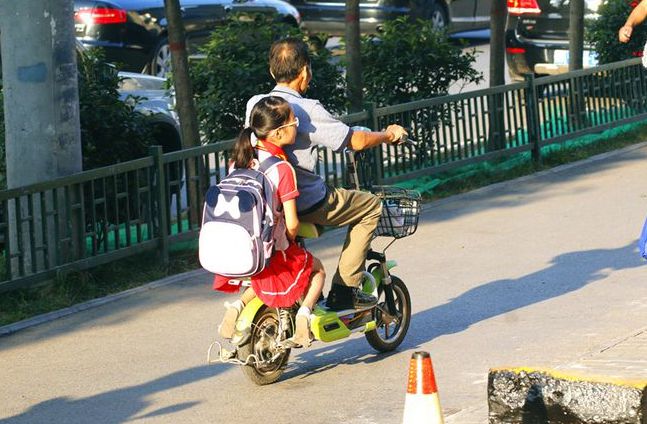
pixel 236 68
pixel 602 32
pixel 111 130
pixel 413 60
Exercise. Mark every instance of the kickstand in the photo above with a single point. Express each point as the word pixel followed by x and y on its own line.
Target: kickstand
pixel 226 356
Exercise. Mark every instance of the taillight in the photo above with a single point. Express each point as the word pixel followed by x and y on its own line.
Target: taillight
pixel 520 7
pixel 515 50
pixel 100 15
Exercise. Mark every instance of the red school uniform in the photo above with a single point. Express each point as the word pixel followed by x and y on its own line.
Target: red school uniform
pixel 287 275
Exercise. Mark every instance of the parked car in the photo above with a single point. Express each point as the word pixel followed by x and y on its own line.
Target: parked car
pixel 158 103
pixel 133 33
pixel 537 36
pixel 328 16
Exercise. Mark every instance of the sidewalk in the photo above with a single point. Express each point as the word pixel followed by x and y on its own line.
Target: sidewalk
pixel 622 359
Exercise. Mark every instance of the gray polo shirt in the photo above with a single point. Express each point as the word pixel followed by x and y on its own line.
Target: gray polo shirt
pixel 317 127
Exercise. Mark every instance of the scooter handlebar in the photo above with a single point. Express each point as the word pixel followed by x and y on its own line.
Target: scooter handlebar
pixel 405 140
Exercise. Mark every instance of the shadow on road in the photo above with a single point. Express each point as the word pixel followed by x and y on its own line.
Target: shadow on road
pixel 116 406
pixel 567 273
pixel 348 352
pixel 532 188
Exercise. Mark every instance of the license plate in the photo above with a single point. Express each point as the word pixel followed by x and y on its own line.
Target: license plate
pixel 589 58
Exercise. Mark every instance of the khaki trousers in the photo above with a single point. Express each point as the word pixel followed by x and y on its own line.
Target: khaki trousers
pixel 358 210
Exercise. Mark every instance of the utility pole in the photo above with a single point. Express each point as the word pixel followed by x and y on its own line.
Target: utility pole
pixel 42 128
pixel 184 99
pixel 354 56
pixel 41 101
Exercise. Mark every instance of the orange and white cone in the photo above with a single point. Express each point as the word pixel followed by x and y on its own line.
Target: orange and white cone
pixel 422 404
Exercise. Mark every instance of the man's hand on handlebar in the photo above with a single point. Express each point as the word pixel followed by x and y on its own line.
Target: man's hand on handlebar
pixel 624 35
pixel 396 134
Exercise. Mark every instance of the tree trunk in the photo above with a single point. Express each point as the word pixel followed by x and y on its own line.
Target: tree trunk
pixel 183 89
pixel 42 128
pixel 184 100
pixel 353 56
pixel 576 35
pixel 498 16
pixel 577 110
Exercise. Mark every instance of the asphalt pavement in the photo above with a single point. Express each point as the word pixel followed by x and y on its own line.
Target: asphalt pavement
pixel 619 361
pixel 549 259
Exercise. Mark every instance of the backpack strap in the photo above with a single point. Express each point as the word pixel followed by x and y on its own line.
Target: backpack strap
pixel 268 163
pixel 268 189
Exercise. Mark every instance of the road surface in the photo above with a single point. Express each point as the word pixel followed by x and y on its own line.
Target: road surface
pixel 537 271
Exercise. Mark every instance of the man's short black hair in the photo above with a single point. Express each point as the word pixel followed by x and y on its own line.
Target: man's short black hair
pixel 287 58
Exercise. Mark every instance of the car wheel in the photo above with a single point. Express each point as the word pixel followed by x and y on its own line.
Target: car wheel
pixel 438 16
pixel 161 63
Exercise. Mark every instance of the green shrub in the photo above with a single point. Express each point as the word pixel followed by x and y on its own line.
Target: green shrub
pixel 236 68
pixel 411 61
pixel 602 32
pixel 111 130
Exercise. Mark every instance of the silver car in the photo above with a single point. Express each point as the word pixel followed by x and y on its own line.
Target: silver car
pixel 156 101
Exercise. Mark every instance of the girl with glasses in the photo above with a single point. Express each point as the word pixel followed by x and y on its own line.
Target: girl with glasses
pixel 293 273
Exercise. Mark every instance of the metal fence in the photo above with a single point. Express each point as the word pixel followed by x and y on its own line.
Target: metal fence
pixel 98 216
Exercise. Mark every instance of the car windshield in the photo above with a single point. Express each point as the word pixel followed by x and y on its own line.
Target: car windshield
pixel 138 82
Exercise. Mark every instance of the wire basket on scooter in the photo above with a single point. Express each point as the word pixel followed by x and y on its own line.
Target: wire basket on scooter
pixel 400 212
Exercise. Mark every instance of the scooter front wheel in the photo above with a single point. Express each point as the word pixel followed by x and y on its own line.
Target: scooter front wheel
pixel 266 361
pixel 391 328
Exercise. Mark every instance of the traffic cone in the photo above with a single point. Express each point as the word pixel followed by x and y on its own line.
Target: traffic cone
pixel 422 404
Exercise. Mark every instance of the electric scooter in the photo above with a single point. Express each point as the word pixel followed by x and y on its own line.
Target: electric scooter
pixel 261 344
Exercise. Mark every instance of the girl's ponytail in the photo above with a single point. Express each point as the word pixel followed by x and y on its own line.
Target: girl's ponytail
pixel 268 114
pixel 243 152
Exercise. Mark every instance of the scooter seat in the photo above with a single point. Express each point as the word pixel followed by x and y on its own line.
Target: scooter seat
pixel 310 230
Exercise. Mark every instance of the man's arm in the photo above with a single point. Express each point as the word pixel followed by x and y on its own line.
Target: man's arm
pixel 361 140
pixel 636 17
pixel 332 133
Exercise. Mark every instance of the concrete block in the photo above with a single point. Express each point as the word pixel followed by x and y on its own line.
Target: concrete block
pixel 538 396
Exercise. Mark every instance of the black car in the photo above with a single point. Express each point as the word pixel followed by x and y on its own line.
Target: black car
pixel 328 16
pixel 133 33
pixel 537 36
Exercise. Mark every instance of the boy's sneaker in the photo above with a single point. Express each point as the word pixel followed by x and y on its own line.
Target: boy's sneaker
pixel 343 297
pixel 228 324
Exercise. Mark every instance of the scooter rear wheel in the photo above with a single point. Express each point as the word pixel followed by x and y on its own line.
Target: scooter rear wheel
pixel 270 361
pixel 390 333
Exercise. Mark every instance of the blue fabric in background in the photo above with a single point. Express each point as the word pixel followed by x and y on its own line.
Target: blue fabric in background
pixel 642 243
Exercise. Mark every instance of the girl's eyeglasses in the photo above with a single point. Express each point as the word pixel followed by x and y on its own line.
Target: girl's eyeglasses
pixel 295 123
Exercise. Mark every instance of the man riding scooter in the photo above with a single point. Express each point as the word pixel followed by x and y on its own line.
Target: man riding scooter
pixel 319 204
